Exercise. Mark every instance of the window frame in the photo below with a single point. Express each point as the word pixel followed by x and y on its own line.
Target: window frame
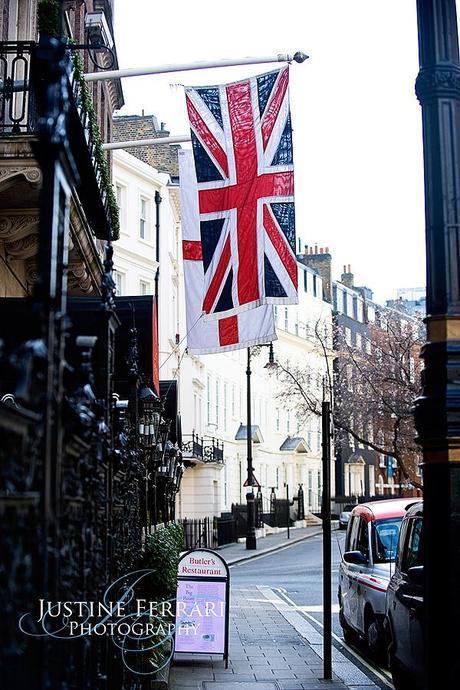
pixel 143 198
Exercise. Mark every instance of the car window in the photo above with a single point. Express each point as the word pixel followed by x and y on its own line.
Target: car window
pixel 401 543
pixel 414 551
pixel 385 541
pixel 348 508
pixel 362 542
pixel 350 542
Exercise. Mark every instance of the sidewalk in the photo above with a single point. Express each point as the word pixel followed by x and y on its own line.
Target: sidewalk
pixel 268 650
pixel 236 553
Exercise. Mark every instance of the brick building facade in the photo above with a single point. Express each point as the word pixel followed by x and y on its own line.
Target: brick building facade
pixel 132 127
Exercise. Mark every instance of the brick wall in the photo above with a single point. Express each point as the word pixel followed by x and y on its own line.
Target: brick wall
pixel 129 127
pixel 321 262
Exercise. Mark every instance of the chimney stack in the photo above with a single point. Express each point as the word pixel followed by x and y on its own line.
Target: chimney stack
pixel 347 277
pixel 319 260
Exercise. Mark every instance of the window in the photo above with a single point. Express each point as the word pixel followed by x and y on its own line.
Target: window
pixel 288 422
pixel 286 319
pixel 144 287
pixel 334 297
pixel 413 555
pixel 358 341
pixel 355 307
pixel 315 285
pixel 208 400
pixel 276 316
pixel 120 191
pixel 348 335
pixel 233 402
pixel 305 281
pixel 119 282
pixel 362 541
pixel 277 418
pixel 217 402
pixel 352 533
pixel 225 405
pixel 385 541
pixel 144 219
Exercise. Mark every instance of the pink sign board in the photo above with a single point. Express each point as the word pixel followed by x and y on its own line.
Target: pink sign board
pixel 201 616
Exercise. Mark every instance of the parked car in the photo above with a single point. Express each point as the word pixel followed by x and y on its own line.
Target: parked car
pixel 366 568
pixel 345 515
pixel 404 605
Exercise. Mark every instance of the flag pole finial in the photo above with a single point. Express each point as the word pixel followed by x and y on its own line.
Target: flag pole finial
pixel 300 57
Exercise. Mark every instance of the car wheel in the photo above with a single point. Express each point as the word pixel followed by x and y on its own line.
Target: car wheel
pixel 374 635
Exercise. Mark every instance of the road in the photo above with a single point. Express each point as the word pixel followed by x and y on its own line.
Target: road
pixel 297 571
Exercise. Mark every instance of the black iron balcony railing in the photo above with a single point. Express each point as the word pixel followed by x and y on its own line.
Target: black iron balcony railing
pixel 205 450
pixel 213 451
pixel 17 112
pixel 19 115
pixel 192 446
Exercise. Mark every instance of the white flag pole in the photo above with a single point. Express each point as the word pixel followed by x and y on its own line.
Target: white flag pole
pixel 113 145
pixel 185 67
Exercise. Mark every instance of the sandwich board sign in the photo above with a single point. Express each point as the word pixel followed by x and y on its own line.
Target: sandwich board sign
pixel 202 604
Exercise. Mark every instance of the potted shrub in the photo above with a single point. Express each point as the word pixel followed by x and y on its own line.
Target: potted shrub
pixel 162 553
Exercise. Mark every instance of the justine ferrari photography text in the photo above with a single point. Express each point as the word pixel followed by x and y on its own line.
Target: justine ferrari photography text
pixel 135 619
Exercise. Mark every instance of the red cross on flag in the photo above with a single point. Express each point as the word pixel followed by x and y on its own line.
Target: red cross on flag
pixel 242 146
pixel 227 333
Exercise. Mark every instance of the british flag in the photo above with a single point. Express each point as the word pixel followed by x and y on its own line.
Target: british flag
pixel 242 146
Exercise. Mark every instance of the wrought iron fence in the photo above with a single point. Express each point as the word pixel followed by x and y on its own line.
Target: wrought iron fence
pixel 200 533
pixel 226 530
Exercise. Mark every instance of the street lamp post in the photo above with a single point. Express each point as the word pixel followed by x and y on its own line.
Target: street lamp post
pixel 437 410
pixel 327 558
pixel 251 542
pixel 250 516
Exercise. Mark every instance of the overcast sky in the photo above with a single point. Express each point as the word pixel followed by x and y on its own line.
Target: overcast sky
pixel 357 123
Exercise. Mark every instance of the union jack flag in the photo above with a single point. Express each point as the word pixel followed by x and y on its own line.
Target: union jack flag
pixel 242 146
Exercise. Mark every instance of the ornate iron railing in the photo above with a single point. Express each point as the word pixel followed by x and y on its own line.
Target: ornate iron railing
pixel 192 447
pixel 205 450
pixel 17 111
pixel 213 451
